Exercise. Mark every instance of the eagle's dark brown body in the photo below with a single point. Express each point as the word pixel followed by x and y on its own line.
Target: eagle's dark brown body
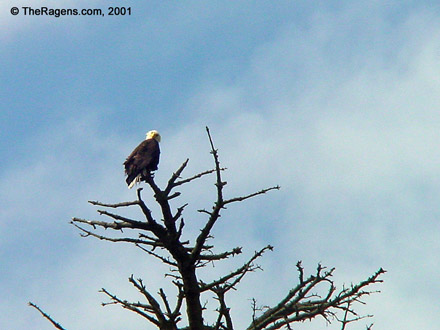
pixel 142 161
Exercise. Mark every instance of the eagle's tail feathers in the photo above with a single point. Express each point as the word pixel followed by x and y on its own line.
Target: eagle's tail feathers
pixel 137 179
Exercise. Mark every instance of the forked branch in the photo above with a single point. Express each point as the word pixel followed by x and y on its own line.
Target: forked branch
pixel 236 275
pixel 219 204
pixel 301 303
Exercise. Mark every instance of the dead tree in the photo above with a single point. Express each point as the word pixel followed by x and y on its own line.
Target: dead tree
pixel 163 240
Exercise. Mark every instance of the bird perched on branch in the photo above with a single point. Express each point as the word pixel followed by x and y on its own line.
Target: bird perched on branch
pixel 143 160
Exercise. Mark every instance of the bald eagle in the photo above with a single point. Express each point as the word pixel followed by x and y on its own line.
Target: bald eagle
pixel 143 160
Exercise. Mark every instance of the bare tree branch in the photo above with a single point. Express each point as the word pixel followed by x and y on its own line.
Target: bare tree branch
pixel 51 320
pixel 127 305
pixel 214 215
pixel 86 233
pixel 237 274
pixel 197 176
pixel 163 259
pixel 223 310
pixel 117 225
pixel 296 307
pixel 220 256
pixel 240 199
pixel 116 205
pixel 153 302
pixel 175 176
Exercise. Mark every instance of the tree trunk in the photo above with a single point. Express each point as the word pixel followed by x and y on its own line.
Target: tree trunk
pixel 192 297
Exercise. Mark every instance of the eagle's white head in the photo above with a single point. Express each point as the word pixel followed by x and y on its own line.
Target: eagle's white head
pixel 153 135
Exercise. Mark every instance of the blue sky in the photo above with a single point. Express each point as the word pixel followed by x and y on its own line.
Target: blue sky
pixel 337 102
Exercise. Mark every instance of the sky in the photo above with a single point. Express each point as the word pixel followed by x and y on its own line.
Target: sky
pixel 338 102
